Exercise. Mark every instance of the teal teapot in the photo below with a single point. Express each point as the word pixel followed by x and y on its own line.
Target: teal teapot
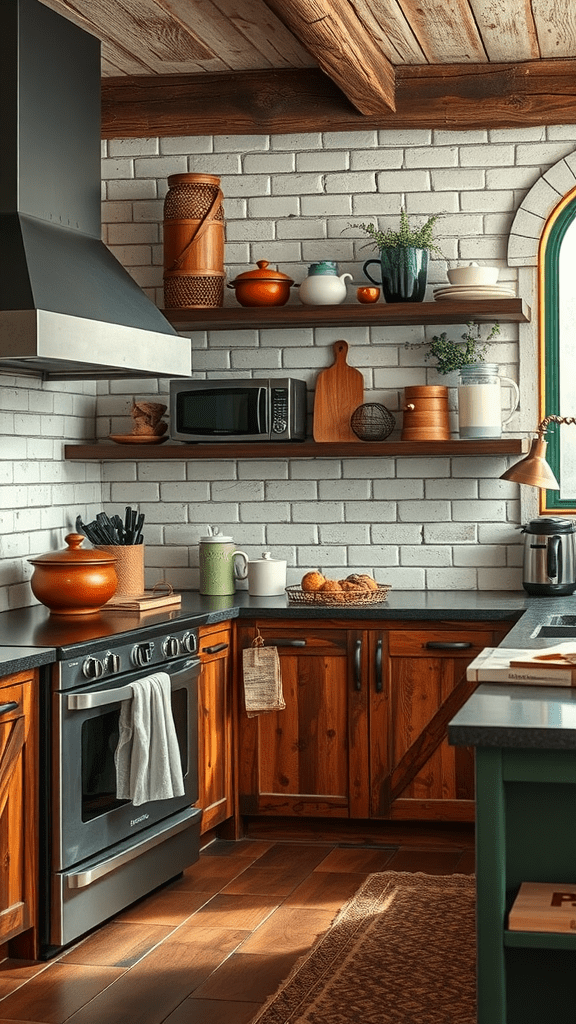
pixel 323 286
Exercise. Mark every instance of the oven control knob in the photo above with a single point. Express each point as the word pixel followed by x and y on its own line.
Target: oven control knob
pixel 189 643
pixel 170 647
pixel 142 654
pixel 112 662
pixel 93 668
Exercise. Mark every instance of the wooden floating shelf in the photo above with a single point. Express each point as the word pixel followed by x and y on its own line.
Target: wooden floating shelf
pixel 295 450
pixel 378 314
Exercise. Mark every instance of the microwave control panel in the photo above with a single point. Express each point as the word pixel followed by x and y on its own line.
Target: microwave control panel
pixel 279 410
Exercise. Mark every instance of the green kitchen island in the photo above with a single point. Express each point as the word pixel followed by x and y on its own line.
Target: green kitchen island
pixel 525 744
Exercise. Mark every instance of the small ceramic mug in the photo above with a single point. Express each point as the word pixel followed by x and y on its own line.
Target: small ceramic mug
pixel 367 293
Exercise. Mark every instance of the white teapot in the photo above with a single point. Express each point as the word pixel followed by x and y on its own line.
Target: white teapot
pixel 266 575
pixel 323 286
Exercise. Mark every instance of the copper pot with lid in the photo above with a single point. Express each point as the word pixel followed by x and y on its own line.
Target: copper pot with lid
pixel 74 581
pixel 262 287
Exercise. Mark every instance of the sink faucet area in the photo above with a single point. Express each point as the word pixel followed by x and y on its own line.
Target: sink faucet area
pixel 558 625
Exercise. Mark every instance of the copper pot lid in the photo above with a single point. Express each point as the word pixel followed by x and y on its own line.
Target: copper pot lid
pixel 264 273
pixel 73 554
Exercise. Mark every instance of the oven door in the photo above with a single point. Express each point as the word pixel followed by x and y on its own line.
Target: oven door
pixel 86 816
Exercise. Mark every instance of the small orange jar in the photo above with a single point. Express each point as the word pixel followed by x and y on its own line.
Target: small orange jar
pixel 367 293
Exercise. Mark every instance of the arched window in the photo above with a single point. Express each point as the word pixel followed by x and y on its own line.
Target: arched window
pixel 557 293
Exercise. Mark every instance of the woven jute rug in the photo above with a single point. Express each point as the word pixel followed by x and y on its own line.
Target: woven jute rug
pixel 402 951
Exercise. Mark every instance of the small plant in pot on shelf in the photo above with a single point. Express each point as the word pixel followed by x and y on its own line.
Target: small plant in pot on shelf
pixel 453 355
pixel 403 258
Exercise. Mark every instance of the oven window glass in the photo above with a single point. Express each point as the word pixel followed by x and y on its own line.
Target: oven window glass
pixel 226 411
pixel 99 741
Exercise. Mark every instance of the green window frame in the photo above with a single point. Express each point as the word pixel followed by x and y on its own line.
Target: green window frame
pixel 559 222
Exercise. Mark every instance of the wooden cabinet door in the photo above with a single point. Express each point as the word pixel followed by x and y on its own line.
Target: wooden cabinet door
pixel 309 759
pixel 426 685
pixel 215 776
pixel 18 805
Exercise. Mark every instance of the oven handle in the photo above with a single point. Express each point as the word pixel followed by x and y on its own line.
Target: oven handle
pixel 80 879
pixel 80 701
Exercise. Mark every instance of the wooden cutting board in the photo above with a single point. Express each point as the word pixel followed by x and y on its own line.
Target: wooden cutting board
pixel 339 391
pixel 550 657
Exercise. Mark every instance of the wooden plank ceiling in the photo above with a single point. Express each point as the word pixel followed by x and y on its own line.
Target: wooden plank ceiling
pixel 177 67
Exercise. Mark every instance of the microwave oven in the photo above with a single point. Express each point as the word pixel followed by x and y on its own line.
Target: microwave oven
pixel 255 409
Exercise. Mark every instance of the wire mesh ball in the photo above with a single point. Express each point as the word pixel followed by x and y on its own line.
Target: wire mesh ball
pixel 372 422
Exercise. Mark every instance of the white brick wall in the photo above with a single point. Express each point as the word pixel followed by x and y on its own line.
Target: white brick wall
pixel 433 523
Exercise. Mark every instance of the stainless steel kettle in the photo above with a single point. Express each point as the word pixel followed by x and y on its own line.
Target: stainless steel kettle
pixel 550 556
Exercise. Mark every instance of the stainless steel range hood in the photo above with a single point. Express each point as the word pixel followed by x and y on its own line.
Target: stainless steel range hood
pixel 68 309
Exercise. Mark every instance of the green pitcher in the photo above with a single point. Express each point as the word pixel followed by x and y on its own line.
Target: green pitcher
pixel 217 564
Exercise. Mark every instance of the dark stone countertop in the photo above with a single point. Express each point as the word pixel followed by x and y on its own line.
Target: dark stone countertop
pixel 21 659
pixel 35 628
pixel 512 715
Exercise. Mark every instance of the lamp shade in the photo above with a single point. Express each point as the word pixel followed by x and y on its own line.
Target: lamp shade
pixel 533 469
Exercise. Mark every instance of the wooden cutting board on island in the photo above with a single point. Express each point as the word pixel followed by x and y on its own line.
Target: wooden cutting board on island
pixel 339 391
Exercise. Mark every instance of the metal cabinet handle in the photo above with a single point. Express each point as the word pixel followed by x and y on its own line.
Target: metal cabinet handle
pixel 285 643
pixel 443 645
pixel 10 706
pixel 215 649
pixel 358 665
pixel 379 684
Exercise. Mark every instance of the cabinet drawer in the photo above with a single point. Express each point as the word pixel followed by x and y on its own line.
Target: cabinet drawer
pixel 313 641
pixel 12 695
pixel 214 643
pixel 453 643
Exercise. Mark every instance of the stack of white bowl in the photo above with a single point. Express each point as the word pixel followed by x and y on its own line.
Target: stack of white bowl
pixel 473 282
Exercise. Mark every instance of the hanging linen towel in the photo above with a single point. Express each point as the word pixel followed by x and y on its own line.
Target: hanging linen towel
pixel 262 678
pixel 147 757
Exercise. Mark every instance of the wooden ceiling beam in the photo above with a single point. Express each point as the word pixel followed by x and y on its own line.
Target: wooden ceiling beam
pixel 342 46
pixel 457 97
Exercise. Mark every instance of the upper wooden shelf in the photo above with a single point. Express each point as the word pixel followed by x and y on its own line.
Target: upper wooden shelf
pixel 294 449
pixel 377 314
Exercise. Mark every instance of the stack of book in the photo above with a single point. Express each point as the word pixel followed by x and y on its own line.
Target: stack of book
pixel 544 907
pixel 546 667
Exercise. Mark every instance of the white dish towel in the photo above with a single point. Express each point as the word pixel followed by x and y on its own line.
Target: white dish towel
pixel 147 757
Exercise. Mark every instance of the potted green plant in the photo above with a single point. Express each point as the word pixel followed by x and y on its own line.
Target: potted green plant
pixel 403 260
pixel 453 355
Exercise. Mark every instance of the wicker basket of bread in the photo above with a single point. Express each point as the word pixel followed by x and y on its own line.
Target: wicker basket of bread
pixel 356 589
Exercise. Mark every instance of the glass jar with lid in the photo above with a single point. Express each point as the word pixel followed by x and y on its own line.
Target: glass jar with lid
pixel 480 400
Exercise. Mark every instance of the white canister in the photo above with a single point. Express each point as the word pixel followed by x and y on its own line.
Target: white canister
pixel 266 575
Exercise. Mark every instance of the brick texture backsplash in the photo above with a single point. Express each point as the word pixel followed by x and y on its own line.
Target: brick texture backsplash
pixel 446 523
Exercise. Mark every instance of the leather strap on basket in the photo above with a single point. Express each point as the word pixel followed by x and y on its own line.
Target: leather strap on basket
pixel 200 228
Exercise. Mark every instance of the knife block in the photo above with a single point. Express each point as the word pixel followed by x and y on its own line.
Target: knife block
pixel 129 568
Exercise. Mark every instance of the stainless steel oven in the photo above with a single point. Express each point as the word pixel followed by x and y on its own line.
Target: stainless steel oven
pixel 101 852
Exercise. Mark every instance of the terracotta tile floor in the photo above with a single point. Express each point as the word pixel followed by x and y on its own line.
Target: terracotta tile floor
pixel 210 947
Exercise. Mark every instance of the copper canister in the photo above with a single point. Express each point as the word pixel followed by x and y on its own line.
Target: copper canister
pixel 426 415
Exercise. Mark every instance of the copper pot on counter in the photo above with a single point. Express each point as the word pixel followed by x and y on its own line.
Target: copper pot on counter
pixel 74 581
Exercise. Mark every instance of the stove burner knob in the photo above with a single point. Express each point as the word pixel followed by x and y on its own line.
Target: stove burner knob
pixel 189 643
pixel 170 647
pixel 112 662
pixel 93 668
pixel 142 654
